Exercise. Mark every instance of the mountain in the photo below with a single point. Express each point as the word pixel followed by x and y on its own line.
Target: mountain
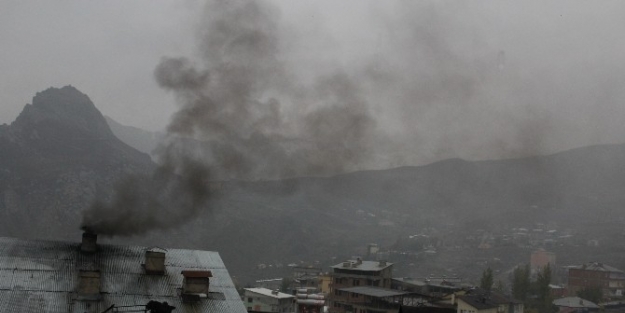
pixel 61 152
pixel 54 158
pixel 142 140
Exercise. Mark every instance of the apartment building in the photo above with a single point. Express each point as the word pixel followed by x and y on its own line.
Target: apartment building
pixel 347 275
pixel 597 275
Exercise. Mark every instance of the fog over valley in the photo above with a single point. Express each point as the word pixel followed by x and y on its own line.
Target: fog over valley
pixel 439 144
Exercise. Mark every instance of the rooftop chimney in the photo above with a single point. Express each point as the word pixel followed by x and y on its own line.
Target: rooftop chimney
pixel 195 285
pixel 89 285
pixel 89 242
pixel 154 262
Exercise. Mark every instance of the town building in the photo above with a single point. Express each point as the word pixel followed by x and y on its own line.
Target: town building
pixel 307 302
pixel 596 275
pixel 482 301
pixel 359 273
pixel 63 277
pixel 267 300
pixel 574 305
pixel 433 287
pixel 540 258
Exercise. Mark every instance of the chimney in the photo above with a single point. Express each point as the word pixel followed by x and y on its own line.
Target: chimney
pixel 358 261
pixel 154 262
pixel 89 242
pixel 195 285
pixel 89 285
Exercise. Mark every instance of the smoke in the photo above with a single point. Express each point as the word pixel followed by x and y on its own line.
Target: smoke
pixel 265 100
pixel 241 116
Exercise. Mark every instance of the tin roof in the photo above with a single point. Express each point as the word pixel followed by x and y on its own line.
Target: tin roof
pixel 575 302
pixel 362 265
pixel 596 266
pixel 195 274
pixel 270 293
pixel 42 276
pixel 374 291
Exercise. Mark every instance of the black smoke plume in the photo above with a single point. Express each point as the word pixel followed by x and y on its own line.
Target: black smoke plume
pixel 252 119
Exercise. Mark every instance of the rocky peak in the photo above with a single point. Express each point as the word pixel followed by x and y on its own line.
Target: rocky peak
pixel 66 107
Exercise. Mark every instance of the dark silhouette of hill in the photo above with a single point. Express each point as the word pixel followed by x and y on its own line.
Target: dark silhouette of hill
pixel 54 158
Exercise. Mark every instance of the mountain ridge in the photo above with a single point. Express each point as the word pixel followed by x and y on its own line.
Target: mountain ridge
pixel 45 184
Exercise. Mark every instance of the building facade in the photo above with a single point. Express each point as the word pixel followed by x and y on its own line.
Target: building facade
pixel 356 273
pixel 596 275
pixel 267 300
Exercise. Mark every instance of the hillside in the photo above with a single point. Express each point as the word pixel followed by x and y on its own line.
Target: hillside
pixel 54 158
pixel 60 153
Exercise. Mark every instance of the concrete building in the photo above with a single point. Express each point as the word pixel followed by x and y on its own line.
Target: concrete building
pixel 66 277
pixel 357 273
pixel 267 300
pixel 309 302
pixel 596 275
pixel 540 258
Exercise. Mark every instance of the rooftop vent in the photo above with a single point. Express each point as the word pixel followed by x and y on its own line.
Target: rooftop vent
pixel 275 292
pixel 89 242
pixel 154 262
pixel 89 285
pixel 347 264
pixel 195 285
pixel 382 263
pixel 359 261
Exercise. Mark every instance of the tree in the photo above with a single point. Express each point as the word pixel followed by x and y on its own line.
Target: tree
pixel 594 294
pixel 543 291
pixel 487 279
pixel 521 282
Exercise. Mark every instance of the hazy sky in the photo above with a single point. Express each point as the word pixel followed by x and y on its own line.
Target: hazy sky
pixel 479 79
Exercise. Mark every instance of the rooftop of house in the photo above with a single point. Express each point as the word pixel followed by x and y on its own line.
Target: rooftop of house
pixel 270 293
pixel 43 276
pixel 596 266
pixel 483 299
pixel 376 292
pixel 575 302
pixel 360 265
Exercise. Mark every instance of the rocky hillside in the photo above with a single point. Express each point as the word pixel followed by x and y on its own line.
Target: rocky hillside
pixel 54 158
pixel 60 153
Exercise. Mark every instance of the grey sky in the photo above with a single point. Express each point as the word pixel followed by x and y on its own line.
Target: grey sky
pixel 481 79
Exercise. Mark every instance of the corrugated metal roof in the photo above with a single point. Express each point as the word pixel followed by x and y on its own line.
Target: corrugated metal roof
pixel 374 291
pixel 363 265
pixel 575 302
pixel 270 293
pixel 595 266
pixel 42 276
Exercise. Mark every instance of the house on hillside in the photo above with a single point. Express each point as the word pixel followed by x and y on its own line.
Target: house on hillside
pixel 575 305
pixel 267 300
pixel 482 301
pixel 62 277
pixel 597 275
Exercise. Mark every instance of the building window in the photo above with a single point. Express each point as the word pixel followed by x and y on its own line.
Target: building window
pixel 250 299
